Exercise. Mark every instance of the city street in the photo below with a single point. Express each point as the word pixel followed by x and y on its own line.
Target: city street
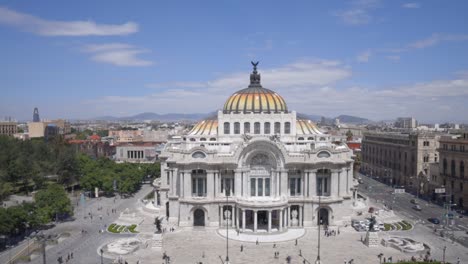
pixel 401 204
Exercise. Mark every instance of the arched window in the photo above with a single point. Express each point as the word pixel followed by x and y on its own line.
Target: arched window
pixel 277 128
pixel 444 166
pixel 192 139
pixel 257 128
pixel 287 128
pixel 310 138
pixel 462 169
pixel 202 139
pixel 452 168
pixel 246 127
pixel 212 139
pixel 301 138
pixel 266 128
pixel 236 128
pixel 226 128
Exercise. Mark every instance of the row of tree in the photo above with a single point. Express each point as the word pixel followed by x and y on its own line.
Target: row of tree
pixel 25 165
pixel 50 204
pixel 111 177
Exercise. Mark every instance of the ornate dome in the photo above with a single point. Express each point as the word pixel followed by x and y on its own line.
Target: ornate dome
pixel 255 98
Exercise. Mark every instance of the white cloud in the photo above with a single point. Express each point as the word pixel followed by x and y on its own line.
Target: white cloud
pixel 207 96
pixel 411 5
pixel 118 54
pixel 45 27
pixel 308 87
pixel 358 13
pixel 364 56
pixel 436 39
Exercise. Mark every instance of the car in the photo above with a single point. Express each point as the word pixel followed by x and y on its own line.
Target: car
pixel 360 181
pixel 434 220
pixel 417 208
pixel 414 201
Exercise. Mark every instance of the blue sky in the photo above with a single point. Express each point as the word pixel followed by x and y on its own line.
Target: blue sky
pixel 371 58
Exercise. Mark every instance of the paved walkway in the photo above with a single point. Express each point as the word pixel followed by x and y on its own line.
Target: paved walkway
pixel 290 235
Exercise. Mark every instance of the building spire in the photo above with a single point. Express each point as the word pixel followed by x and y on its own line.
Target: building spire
pixel 254 76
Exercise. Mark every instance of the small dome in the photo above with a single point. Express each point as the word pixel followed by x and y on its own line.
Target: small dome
pixel 255 98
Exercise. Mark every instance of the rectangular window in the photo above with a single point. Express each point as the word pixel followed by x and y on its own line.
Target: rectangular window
pixel 267 128
pixel 256 128
pixel 267 187
pixel 260 187
pixel 292 187
pixel 252 187
pixel 236 128
pixel 298 186
pixel 226 128
pixel 287 128
pixel 200 186
pixel 194 186
pixel 277 128
pixel 246 128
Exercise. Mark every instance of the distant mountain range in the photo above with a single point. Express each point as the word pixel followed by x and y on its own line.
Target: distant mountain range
pixel 154 116
pixel 173 117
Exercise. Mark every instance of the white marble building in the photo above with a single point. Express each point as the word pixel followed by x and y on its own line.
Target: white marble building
pixel 256 167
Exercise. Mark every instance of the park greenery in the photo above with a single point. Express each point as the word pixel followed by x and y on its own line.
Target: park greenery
pixel 51 203
pixel 47 169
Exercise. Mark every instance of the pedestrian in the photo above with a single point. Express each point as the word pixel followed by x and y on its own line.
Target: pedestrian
pixel 242 248
pixel 256 242
pixel 71 255
pixel 274 245
pixel 300 252
pixel 296 242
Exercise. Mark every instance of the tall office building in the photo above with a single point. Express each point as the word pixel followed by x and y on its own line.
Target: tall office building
pixel 36 115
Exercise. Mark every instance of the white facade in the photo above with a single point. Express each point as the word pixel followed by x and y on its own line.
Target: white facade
pixel 257 169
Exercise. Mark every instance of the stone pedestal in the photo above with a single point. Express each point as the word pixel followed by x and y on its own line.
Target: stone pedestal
pixel 372 239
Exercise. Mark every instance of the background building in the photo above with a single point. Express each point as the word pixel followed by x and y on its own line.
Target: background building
pixel 8 128
pixel 406 122
pixel 453 168
pixel 143 152
pixel 401 159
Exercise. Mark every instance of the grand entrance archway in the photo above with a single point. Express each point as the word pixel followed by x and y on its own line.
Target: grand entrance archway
pixel 323 216
pixel 199 217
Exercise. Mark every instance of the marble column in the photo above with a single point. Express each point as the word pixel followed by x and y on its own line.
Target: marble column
pixel 255 221
pixel 289 216
pixel 312 182
pixel 280 227
pixel 188 184
pixel 277 183
pixel 237 182
pixel 334 183
pixel 284 182
pixel 210 184
pixel 269 221
pixel 243 220
pixel 237 217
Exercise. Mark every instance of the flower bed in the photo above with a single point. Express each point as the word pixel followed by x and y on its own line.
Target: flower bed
pixel 117 229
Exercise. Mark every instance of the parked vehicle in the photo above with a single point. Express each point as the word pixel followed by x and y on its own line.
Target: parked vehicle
pixel 414 201
pixel 417 208
pixel 434 220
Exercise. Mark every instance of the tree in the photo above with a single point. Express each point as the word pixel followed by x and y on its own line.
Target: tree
pixel 53 202
pixel 349 135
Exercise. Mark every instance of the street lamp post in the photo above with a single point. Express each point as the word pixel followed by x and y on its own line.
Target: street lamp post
pixel 102 251
pixel 228 190
pixel 318 245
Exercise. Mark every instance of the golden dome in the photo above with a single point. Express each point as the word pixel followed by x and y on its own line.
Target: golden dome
pixel 255 98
